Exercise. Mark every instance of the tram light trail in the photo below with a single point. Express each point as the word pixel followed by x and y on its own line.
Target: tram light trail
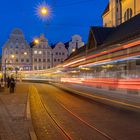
pixel 133 44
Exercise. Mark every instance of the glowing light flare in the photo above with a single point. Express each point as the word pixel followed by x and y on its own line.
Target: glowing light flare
pixel 36 41
pixel 13 56
pixel 25 53
pixel 43 11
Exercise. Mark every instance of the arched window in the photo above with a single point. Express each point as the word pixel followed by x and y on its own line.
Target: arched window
pixel 128 14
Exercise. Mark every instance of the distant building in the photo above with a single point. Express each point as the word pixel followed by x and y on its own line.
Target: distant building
pixel 60 53
pixel 75 43
pixel 16 53
pixel 119 11
pixel 41 54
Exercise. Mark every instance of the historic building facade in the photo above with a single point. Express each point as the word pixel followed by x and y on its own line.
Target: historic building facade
pixel 119 11
pixel 75 43
pixel 41 54
pixel 60 53
pixel 16 52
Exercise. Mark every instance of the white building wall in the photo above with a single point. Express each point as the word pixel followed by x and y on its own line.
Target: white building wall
pixel 76 42
pixel 18 47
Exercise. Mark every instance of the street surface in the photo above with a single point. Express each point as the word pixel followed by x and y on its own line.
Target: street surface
pixel 60 115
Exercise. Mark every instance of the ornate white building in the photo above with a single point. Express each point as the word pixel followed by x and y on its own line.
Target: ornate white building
pixel 16 53
pixel 75 43
pixel 119 11
pixel 41 54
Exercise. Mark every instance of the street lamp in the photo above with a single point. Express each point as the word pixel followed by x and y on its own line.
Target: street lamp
pixel 5 65
pixel 13 56
pixel 36 41
pixel 43 11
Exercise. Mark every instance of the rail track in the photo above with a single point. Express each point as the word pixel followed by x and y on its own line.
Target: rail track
pixel 63 132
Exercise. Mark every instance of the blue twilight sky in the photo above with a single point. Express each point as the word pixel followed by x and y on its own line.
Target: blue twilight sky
pixel 69 17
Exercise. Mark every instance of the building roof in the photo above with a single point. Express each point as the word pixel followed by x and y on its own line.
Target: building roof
pixel 106 9
pixel 127 30
pixel 101 33
pixel 104 36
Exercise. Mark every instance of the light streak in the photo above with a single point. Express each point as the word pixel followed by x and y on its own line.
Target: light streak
pixel 115 83
pixel 133 44
pixel 74 62
pixel 110 61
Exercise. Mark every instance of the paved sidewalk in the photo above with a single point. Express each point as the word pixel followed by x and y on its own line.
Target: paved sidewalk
pixel 13 121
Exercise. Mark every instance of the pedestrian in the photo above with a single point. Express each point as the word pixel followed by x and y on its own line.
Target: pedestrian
pixel 12 85
pixel 8 82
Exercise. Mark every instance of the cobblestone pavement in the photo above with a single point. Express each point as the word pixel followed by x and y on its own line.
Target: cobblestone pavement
pixel 13 122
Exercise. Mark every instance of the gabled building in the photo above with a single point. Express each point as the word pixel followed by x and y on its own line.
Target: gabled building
pixel 41 54
pixel 75 43
pixel 16 53
pixel 60 53
pixel 119 11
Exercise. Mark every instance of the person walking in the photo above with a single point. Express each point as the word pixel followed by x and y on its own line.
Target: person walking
pixel 12 85
pixel 8 82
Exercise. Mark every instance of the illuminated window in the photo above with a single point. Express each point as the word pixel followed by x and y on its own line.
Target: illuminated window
pixel 40 52
pixel 35 52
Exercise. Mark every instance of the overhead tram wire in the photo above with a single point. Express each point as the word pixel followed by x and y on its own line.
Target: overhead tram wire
pixel 72 3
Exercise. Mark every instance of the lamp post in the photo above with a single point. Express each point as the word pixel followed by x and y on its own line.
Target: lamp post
pixel 5 67
pixel 52 60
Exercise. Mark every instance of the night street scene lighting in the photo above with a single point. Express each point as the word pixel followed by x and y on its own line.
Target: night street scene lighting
pixel 70 70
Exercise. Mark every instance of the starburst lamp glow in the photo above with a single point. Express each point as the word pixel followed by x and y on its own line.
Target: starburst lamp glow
pixel 36 41
pixel 43 11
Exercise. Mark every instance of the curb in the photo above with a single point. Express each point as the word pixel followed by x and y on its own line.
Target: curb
pixel 29 119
